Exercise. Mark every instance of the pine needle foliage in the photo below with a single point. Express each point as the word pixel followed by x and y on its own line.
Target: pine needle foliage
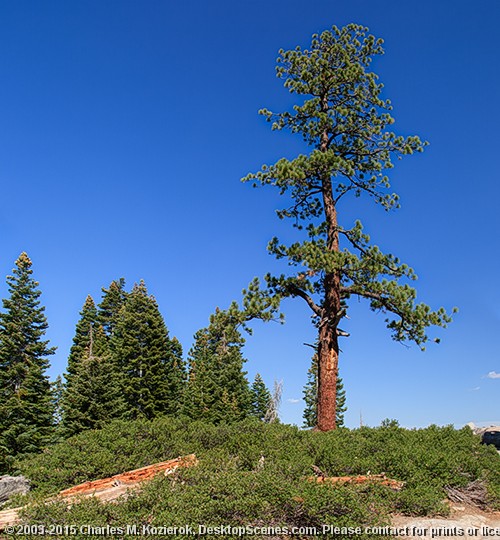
pixel 113 299
pixel 93 394
pixel 85 327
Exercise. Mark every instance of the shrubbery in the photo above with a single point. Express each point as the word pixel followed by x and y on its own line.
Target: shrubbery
pixel 233 485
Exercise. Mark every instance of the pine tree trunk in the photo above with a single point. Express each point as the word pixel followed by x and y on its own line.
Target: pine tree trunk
pixel 328 359
pixel 328 348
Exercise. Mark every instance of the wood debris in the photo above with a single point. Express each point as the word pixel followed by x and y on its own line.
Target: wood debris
pixel 108 489
pixel 474 494
pixel 381 479
pixel 129 478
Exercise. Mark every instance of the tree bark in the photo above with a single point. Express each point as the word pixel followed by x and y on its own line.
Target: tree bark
pixel 328 356
pixel 328 348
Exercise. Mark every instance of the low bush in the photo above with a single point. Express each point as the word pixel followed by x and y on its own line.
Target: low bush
pixel 255 474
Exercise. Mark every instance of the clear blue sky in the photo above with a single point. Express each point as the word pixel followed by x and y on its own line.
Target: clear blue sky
pixel 125 127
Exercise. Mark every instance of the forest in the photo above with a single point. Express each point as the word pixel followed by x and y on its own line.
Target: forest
pixel 122 365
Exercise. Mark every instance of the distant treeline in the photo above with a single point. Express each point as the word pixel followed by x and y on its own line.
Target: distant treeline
pixel 122 364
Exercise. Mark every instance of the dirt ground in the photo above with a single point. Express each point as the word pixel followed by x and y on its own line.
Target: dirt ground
pixel 464 522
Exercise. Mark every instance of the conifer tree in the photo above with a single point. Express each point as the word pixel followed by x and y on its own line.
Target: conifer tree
pixel 217 389
pixel 261 398
pixel 310 393
pixel 26 401
pixel 57 393
pixel 81 341
pixel 177 376
pixel 69 403
pixel 342 118
pixel 151 363
pixel 92 393
pixel 112 300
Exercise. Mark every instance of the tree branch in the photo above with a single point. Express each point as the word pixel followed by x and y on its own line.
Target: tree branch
pixel 296 291
pixel 387 304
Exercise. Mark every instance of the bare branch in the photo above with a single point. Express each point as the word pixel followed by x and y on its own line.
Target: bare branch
pixel 296 291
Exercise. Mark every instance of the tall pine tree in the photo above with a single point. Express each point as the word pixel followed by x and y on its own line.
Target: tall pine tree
pixel 26 401
pixel 151 363
pixel 218 390
pixel 340 114
pixel 92 393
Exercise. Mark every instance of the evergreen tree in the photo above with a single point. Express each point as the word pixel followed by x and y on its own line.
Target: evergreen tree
pixel 57 393
pixel 177 379
pixel 70 423
pixel 151 364
pixel 81 341
pixel 218 390
pixel 342 118
pixel 261 398
pixel 310 393
pixel 92 393
pixel 26 401
pixel 112 300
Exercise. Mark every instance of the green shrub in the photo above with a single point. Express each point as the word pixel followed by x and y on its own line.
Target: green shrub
pixel 253 473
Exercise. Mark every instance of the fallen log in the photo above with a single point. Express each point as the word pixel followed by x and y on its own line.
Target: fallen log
pixel 108 489
pixel 381 479
pixel 129 478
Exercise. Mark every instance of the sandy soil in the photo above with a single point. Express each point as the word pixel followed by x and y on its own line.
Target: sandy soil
pixel 464 522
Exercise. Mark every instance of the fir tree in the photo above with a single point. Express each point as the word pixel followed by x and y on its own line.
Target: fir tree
pixel 218 390
pixel 81 341
pixel 342 118
pixel 112 300
pixel 261 398
pixel 151 364
pixel 92 393
pixel 310 393
pixel 177 378
pixel 26 401
pixel 57 393
pixel 93 396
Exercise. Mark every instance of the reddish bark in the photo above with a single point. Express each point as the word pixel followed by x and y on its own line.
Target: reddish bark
pixel 328 349
pixel 130 477
pixel 328 357
pixel 107 489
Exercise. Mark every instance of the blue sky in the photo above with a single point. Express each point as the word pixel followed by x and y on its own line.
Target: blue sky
pixel 125 127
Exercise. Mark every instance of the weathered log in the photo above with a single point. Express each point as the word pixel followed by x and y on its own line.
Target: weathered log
pixel 396 485
pixel 108 489
pixel 129 478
